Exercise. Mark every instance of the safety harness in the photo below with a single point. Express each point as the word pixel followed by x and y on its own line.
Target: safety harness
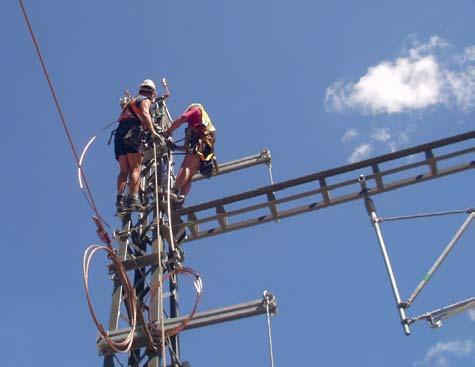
pixel 135 135
pixel 200 140
pixel 134 106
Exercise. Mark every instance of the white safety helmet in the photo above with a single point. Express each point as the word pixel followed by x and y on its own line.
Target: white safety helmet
pixel 148 86
pixel 194 105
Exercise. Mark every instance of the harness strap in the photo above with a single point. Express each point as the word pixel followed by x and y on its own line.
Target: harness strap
pixel 133 108
pixel 111 135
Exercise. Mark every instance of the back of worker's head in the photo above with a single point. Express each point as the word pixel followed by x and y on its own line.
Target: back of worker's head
pixel 147 87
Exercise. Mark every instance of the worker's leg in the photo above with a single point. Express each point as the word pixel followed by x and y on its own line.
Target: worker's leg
pixel 188 169
pixel 124 170
pixel 135 164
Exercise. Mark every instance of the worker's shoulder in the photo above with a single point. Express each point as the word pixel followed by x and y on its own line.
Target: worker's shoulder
pixel 144 102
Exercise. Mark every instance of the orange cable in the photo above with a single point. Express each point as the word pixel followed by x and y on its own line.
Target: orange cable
pixel 60 112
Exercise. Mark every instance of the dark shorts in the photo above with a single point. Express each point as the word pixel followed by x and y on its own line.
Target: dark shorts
pixel 120 148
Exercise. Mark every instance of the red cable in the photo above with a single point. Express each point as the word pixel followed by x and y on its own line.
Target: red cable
pixel 124 345
pixel 61 115
pixel 194 276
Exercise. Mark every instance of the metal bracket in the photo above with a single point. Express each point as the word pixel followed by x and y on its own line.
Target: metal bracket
pixel 435 318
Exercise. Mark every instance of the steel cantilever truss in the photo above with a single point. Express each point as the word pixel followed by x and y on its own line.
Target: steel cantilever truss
pixel 328 188
pixel 384 173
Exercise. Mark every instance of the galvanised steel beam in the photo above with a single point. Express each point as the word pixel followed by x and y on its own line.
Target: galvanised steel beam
pixel 264 157
pixel 327 194
pixel 201 319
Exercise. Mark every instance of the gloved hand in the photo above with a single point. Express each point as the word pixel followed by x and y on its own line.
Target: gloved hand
pixel 155 135
pixel 170 144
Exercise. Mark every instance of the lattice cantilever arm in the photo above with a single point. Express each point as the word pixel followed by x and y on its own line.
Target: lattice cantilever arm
pixel 200 319
pixel 264 204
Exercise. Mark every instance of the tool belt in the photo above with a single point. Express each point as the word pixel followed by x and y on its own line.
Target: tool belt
pixel 135 137
pixel 209 168
pixel 202 146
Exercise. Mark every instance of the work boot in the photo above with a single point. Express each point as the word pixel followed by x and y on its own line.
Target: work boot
pixel 134 205
pixel 120 203
pixel 177 199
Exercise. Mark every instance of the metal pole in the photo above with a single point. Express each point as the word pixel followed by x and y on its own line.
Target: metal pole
pixel 156 305
pixel 435 318
pixel 268 298
pixel 172 250
pixel 441 258
pixel 117 296
pixel 371 209
pixel 263 157
pixel 174 313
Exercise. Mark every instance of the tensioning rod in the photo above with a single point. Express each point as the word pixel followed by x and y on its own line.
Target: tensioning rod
pixel 441 258
pixel 371 209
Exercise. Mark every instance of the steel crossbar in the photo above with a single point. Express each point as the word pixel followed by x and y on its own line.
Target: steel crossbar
pixel 324 194
pixel 200 319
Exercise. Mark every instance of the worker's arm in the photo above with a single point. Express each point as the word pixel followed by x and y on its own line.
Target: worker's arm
pixel 146 118
pixel 190 115
pixel 175 125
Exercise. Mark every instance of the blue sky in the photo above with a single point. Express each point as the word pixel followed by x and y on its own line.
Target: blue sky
pixel 320 84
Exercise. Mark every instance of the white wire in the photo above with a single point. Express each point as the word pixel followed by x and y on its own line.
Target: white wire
pixel 83 153
pixel 426 215
pixel 160 271
pixel 269 333
pixel 169 179
pixel 269 166
pixel 81 159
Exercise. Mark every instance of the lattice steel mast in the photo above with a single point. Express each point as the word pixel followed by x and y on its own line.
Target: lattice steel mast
pixel 150 249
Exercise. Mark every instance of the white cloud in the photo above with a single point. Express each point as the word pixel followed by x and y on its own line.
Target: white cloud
pixel 438 355
pixel 382 134
pixel 421 79
pixel 471 315
pixel 379 138
pixel 349 134
pixel 418 49
pixel 467 57
pixel 361 152
pixel 462 85
pixel 469 54
pixel 399 140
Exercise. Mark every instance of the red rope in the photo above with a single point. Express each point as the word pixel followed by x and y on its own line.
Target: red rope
pixel 61 115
